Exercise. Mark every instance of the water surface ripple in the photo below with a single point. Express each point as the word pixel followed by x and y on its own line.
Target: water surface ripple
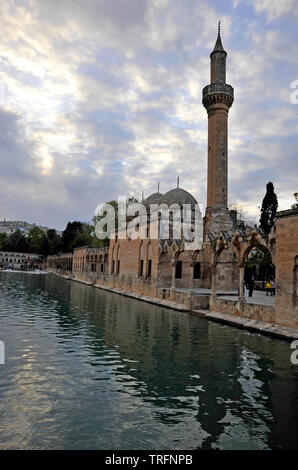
pixel 87 369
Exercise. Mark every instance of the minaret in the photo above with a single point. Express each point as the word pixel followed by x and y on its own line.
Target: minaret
pixel 217 99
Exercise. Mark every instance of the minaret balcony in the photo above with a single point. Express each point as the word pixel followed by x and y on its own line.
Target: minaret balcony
pixel 218 93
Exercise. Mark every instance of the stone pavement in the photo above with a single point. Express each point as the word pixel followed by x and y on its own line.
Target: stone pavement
pixel 258 297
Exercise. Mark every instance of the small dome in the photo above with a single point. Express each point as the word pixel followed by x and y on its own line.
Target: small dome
pixel 178 196
pixel 153 198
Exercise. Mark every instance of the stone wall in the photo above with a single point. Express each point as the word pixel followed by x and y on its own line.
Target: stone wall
pixel 16 260
pixel 265 313
pixel 286 259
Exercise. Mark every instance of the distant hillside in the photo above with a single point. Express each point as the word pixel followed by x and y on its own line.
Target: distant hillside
pixel 10 226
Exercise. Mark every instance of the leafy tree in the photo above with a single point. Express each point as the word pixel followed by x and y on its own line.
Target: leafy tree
pixel 35 239
pixel 81 239
pixel 16 241
pixel 260 257
pixel 52 243
pixel 76 234
pixel 4 240
pixel 269 208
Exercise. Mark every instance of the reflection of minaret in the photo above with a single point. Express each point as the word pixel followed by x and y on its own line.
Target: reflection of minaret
pixel 217 99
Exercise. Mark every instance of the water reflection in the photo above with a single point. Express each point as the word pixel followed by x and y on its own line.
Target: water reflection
pixel 90 369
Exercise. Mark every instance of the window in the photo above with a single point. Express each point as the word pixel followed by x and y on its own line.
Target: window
pixel 101 268
pixel 197 270
pixel 113 266
pixel 118 266
pixel 178 270
pixel 149 268
pixel 141 267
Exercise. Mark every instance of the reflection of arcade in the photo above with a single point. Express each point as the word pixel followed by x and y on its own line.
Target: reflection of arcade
pixel 181 365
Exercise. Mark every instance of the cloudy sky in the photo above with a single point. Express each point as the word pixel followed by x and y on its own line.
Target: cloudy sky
pixel 100 98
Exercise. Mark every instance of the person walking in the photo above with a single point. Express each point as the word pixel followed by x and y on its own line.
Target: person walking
pixel 251 286
pixel 269 287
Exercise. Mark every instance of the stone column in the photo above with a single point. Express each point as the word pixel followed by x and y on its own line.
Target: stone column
pixel 191 266
pixel 213 283
pixel 241 283
pixel 241 299
pixel 173 272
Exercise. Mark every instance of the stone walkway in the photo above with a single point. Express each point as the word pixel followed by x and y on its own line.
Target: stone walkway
pixel 258 297
pixel 202 291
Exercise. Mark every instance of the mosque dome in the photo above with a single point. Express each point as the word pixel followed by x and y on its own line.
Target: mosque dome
pixel 153 198
pixel 178 196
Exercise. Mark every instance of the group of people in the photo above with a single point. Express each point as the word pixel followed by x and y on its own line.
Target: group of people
pixel 249 287
pixel 270 287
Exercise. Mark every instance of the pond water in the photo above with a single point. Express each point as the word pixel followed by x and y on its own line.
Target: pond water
pixel 88 369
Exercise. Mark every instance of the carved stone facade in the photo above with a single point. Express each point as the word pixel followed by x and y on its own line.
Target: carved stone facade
pixel 286 260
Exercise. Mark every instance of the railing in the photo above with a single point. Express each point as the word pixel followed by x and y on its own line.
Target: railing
pixel 218 88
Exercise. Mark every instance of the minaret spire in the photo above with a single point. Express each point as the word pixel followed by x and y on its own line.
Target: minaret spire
pixel 218 45
pixel 217 99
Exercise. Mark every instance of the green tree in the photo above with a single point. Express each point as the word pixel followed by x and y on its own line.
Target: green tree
pixel 76 234
pixel 268 209
pixel 16 241
pixel 35 239
pixel 52 243
pixel 4 240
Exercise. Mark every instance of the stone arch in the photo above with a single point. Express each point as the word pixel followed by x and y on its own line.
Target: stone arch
pixel 255 239
pixel 182 268
pixel 165 268
pixel 196 269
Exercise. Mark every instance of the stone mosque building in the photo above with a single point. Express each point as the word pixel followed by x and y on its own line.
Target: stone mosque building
pixel 209 278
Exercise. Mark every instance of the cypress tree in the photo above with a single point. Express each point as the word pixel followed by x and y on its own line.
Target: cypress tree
pixel 269 208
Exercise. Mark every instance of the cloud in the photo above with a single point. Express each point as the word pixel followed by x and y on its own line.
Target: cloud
pixel 100 98
pixel 276 8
